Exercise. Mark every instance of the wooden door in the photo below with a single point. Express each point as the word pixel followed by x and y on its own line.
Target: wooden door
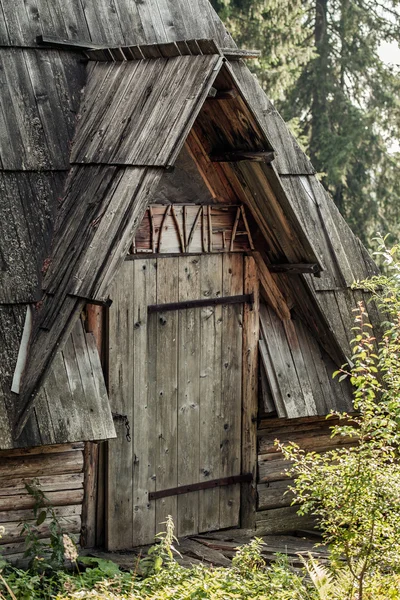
pixel 176 376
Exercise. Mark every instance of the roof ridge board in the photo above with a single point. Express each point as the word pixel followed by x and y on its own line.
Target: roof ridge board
pixel 194 47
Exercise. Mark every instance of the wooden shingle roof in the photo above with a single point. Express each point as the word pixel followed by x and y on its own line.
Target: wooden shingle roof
pixel 99 201
pixel 134 119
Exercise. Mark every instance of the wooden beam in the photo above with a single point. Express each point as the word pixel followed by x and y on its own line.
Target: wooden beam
pixel 250 393
pixel 222 94
pixel 295 269
pixel 272 292
pixel 238 54
pixel 239 156
pixel 88 534
pixel 65 44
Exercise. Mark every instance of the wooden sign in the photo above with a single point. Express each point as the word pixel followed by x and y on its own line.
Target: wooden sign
pixel 193 228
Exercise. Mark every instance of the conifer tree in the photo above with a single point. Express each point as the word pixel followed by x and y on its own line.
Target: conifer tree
pixel 321 65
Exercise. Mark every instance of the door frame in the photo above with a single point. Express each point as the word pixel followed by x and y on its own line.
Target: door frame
pixel 248 494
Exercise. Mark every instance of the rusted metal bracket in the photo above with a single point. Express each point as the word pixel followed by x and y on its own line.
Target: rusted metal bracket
pixel 242 299
pixel 202 485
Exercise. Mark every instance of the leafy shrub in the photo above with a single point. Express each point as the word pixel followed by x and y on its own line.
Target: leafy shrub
pixel 355 492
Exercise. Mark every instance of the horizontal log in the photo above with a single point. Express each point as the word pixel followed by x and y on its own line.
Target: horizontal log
pixel 27 513
pixel 39 465
pixel 276 425
pixel 295 269
pixel 240 156
pixel 311 442
pixel 238 54
pixel 13 529
pixel 13 548
pixel 274 495
pixel 56 449
pixel 23 501
pixel 282 520
pixel 273 470
pixel 51 483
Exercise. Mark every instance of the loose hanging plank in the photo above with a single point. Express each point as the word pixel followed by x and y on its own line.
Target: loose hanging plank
pixel 250 391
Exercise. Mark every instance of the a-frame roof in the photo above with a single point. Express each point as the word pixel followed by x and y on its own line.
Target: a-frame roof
pixel 135 118
pixel 40 97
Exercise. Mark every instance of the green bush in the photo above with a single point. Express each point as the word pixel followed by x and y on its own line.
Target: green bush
pixel 355 491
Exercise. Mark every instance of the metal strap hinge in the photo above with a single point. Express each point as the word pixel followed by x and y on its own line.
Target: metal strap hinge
pixel 202 485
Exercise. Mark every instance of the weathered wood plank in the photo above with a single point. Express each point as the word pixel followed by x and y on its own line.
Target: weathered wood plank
pixel 231 387
pixel 119 509
pixel 16 485
pixel 189 395
pixel 274 494
pixel 167 383
pixel 281 520
pixel 90 497
pixel 272 292
pixel 210 391
pixel 25 501
pixel 39 465
pixel 250 391
pixel 144 401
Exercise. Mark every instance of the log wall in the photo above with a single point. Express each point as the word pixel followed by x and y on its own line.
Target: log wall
pixel 59 471
pixel 274 511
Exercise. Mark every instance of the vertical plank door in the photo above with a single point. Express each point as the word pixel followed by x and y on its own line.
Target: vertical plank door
pixel 177 375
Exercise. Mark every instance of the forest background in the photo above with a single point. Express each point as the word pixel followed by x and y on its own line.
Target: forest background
pixel 323 67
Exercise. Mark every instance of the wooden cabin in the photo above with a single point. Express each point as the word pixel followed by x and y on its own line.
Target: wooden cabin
pixel 175 282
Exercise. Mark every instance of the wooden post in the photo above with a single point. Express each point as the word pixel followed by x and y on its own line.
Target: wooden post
pixel 250 394
pixel 88 536
pixel 94 324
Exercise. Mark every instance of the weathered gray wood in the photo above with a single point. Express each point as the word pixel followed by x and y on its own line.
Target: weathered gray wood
pixel 167 393
pixel 231 397
pixel 189 395
pixel 267 399
pixel 251 324
pixel 119 509
pixel 149 136
pixel 210 391
pixel 39 465
pixel 274 494
pixel 144 401
pixel 268 369
pixel 16 485
pixel 272 470
pixel 281 520
pixel 27 514
pixel 284 365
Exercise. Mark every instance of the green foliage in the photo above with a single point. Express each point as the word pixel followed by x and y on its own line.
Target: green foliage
pixel 46 555
pixel 355 492
pixel 322 67
pixel 161 554
pixel 278 29
pixel 248 558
